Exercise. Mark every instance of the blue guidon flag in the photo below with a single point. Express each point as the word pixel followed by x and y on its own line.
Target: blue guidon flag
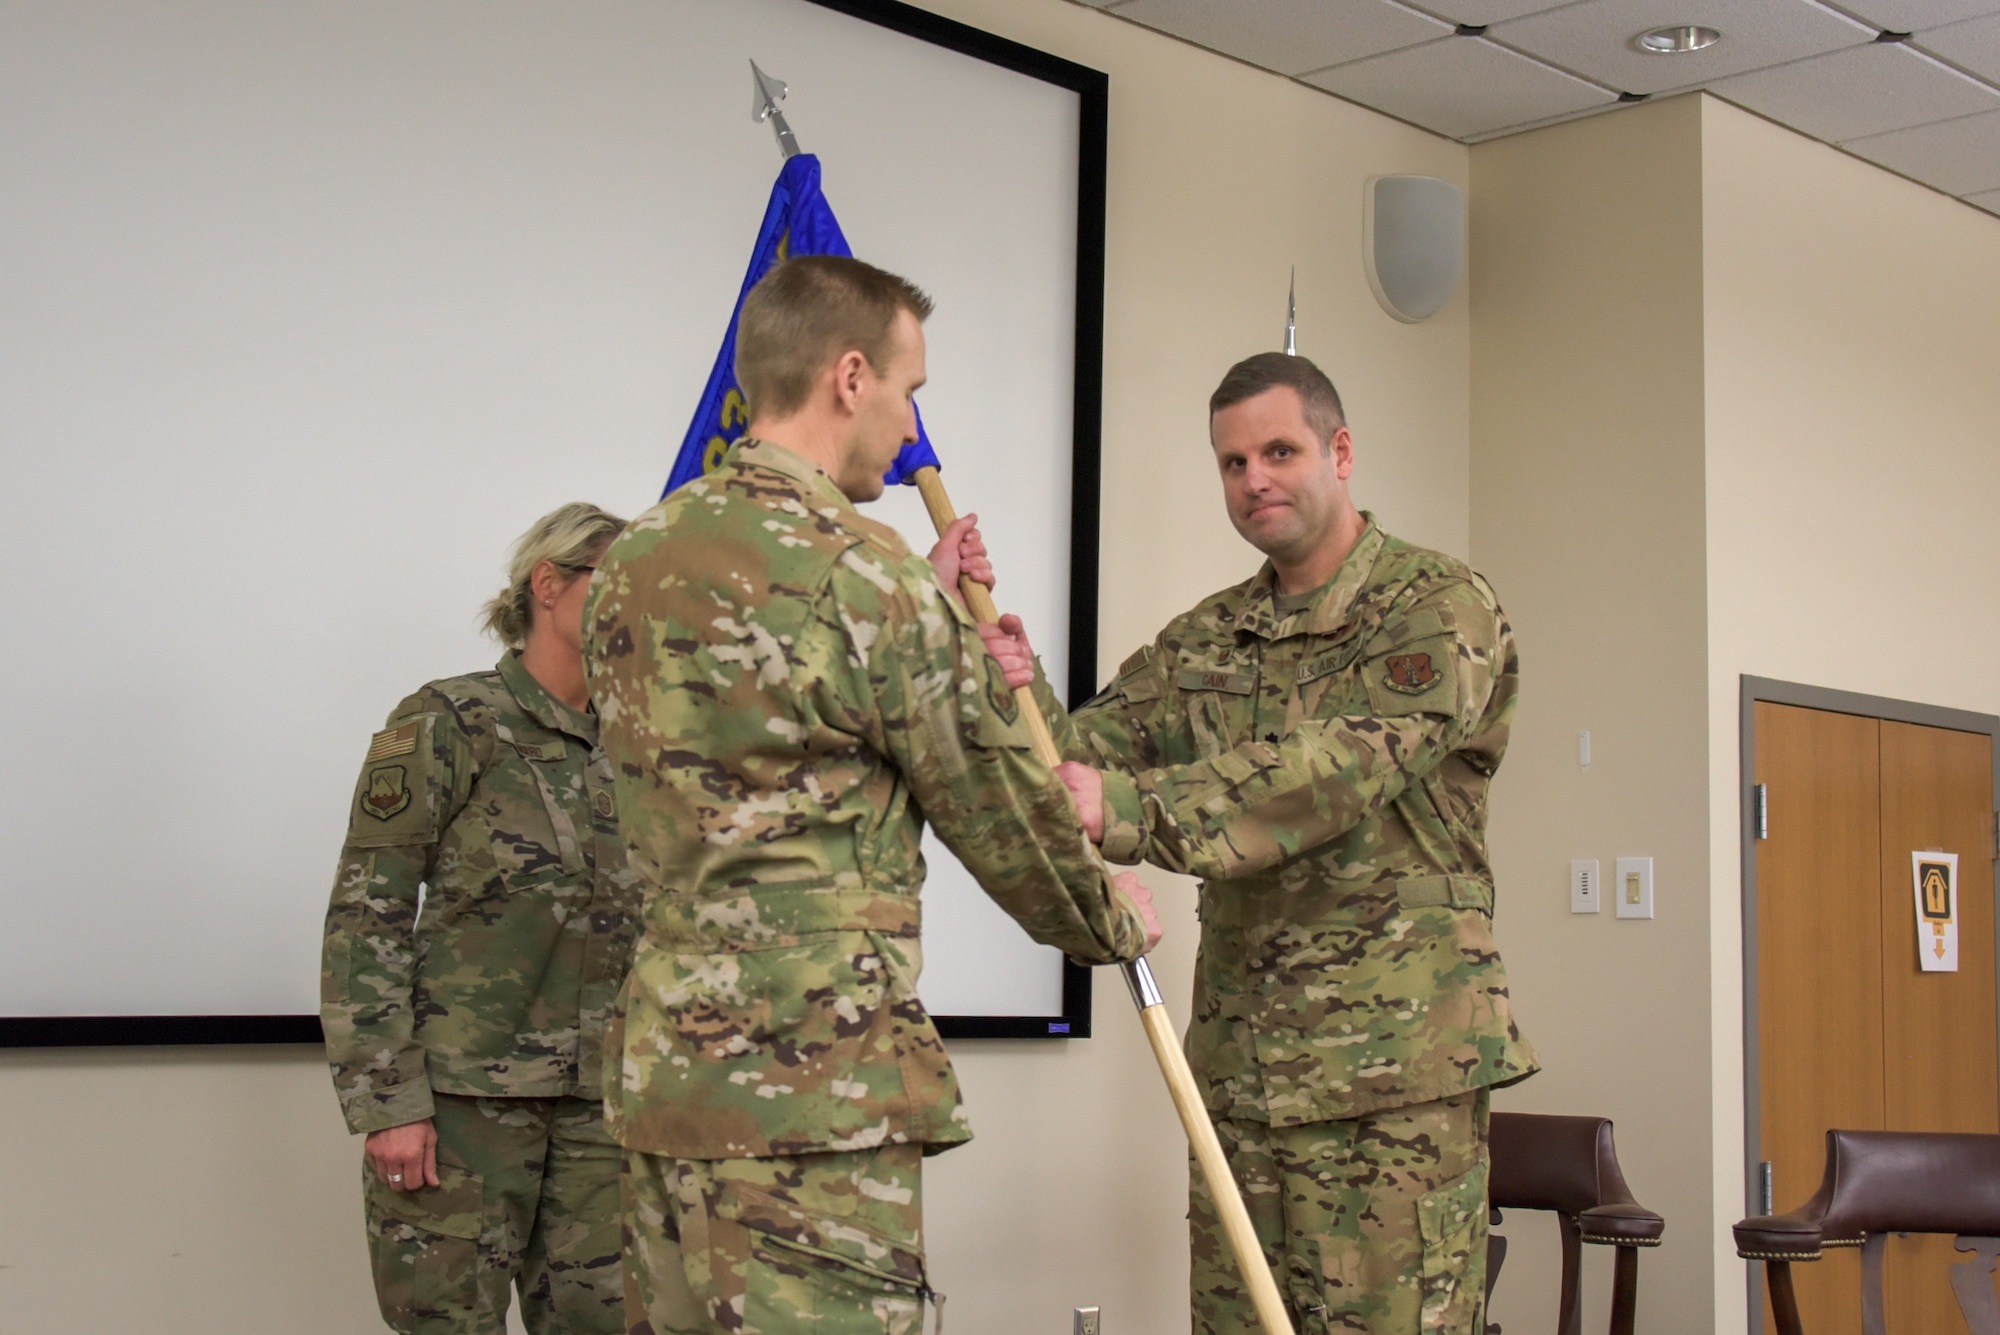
pixel 797 221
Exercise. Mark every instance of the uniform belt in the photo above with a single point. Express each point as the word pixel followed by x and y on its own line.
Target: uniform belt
pixel 771 914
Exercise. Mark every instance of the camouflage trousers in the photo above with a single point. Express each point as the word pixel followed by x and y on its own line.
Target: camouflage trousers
pixel 527 1194
pixel 1374 1223
pixel 831 1243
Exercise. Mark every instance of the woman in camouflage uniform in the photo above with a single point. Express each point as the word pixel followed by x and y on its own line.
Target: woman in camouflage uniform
pixel 466 1037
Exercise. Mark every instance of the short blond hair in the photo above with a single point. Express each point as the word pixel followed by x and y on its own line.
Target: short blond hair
pixel 808 312
pixel 571 538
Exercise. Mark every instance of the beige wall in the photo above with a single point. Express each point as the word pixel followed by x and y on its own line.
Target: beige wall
pixel 1733 414
pixel 1587 503
pixel 1853 464
pixel 210 1191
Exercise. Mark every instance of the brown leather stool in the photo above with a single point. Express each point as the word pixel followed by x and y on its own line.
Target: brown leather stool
pixel 1883 1182
pixel 1568 1165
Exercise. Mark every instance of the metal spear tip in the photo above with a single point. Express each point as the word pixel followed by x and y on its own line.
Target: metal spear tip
pixel 766 93
pixel 1292 317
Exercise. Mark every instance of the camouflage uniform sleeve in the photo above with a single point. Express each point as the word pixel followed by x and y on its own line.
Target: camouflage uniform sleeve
pixel 954 731
pixel 416 778
pixel 1259 804
pixel 1118 731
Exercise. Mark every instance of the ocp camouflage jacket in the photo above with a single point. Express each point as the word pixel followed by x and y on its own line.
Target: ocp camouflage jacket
pixel 493 796
pixel 1325 774
pixel 788 696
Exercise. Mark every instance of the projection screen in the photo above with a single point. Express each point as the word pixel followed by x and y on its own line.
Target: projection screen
pixel 307 310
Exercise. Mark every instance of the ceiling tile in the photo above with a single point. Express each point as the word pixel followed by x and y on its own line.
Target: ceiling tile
pixel 1960 157
pixel 1915 15
pixel 1986 199
pixel 1460 86
pixel 1860 91
pixel 1595 39
pixel 1485 11
pixel 1974 46
pixel 1289 36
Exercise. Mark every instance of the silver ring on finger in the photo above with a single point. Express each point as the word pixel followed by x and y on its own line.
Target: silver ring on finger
pixel 395 1177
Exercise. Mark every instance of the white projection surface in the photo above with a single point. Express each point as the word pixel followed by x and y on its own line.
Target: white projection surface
pixel 308 309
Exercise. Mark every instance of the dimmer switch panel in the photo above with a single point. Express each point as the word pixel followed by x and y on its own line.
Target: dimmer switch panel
pixel 1585 890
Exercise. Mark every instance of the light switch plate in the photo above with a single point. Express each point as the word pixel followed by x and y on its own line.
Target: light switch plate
pixel 1585 886
pixel 1632 888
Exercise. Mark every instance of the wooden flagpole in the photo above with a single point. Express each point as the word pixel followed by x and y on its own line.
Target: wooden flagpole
pixel 1159 1025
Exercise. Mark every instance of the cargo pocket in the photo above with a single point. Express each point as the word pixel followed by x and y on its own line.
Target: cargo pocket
pixel 1453 1220
pixel 425 1248
pixel 832 1273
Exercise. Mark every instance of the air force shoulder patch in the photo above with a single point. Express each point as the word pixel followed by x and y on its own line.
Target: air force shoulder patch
pixel 387 792
pixel 1415 678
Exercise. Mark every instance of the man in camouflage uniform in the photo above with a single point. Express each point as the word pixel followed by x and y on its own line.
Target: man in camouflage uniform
pixel 788 696
pixel 1316 745
pixel 472 1035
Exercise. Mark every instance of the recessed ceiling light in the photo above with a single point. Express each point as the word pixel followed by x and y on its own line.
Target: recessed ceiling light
pixel 1676 39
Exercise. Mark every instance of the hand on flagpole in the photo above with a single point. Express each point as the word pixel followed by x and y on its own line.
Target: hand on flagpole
pixel 1008 643
pixel 1142 900
pixel 1086 785
pixel 961 553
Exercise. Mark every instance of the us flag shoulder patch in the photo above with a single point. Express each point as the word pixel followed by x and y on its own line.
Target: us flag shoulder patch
pixel 392 742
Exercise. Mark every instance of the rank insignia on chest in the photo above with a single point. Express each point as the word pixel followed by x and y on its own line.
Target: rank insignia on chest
pixel 1410 673
pixel 388 791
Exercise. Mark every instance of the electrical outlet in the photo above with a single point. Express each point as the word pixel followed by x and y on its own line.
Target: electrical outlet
pixel 1633 888
pixel 1584 887
pixel 1087 1321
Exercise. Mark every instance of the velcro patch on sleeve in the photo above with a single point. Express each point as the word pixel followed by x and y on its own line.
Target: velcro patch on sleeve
pixel 392 799
pixel 392 742
pixel 1420 677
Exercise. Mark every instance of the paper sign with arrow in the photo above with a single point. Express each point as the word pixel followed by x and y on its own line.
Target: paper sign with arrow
pixel 1935 876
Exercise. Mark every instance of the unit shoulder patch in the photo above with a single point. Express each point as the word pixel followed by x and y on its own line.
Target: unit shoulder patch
pixel 387 791
pixel 998 693
pixel 1419 677
pixel 1412 674
pixel 392 801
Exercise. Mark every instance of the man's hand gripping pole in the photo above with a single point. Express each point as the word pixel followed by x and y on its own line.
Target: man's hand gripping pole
pixel 1153 1017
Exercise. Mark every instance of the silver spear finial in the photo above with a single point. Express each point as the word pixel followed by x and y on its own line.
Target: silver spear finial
pixel 1292 317
pixel 767 92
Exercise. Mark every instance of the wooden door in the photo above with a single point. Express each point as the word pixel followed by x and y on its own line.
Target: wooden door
pixel 1852 1034
pixel 1941 1055
pixel 1819 966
